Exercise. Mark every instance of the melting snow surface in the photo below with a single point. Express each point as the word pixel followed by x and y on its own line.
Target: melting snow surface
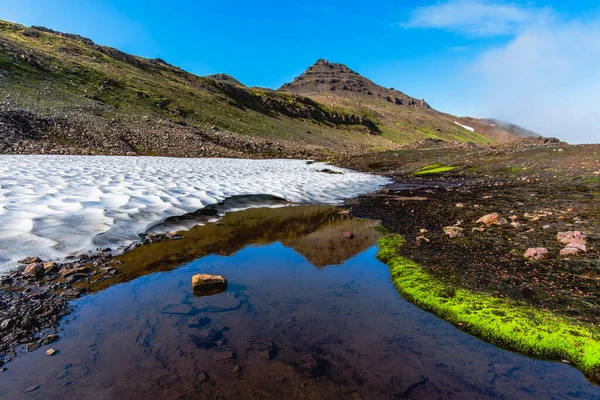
pixel 466 127
pixel 54 206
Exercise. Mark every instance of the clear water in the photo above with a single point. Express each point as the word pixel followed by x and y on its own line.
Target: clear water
pixel 283 329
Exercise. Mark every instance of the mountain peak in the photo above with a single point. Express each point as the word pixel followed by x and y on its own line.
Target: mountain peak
pixel 324 77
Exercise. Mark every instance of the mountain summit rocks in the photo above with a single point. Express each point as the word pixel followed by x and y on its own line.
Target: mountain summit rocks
pixel 324 76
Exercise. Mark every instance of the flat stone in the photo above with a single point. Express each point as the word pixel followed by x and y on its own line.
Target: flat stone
pixel 51 352
pixel 72 271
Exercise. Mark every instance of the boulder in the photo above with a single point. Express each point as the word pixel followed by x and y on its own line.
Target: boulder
pixel 348 235
pixel 34 270
pixel 454 231
pixel 572 237
pixel 536 253
pixel 208 283
pixel 492 219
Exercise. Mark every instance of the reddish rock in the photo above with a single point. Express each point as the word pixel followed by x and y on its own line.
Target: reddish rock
pixel 536 253
pixel 34 270
pixel 572 237
pixel 573 249
pixel 349 235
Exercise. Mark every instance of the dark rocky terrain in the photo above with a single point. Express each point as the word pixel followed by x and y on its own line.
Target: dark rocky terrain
pixel 539 188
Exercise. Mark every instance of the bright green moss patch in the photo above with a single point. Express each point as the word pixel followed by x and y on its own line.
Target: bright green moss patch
pixel 434 169
pixel 506 323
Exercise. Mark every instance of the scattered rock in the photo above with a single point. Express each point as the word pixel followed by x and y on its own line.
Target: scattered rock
pixel 348 235
pixel 7 324
pixel 237 368
pixel 203 377
pixel 492 219
pixel 49 339
pixel 572 237
pixel 50 266
pixel 573 249
pixel 454 231
pixel 32 347
pixel 207 283
pixel 51 352
pixel 34 270
pixel 536 253
pixel 66 272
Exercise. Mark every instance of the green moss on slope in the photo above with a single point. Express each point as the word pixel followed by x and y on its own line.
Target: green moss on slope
pixel 434 169
pixel 503 322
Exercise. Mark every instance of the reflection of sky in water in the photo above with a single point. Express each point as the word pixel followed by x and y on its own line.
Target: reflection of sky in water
pixel 294 330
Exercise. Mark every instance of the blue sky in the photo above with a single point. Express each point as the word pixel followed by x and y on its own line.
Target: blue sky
pixel 513 60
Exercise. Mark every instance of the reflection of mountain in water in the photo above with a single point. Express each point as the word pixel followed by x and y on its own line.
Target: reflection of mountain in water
pixel 316 232
pixel 327 245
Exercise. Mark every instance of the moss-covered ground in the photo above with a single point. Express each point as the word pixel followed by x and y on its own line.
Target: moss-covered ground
pixel 504 322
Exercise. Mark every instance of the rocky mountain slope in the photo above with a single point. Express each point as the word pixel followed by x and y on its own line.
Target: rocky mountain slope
pixel 401 118
pixel 63 93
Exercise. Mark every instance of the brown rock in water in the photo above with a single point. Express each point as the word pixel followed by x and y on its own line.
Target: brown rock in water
pixel 207 283
pixel 536 253
pixel 348 235
pixel 572 237
pixel 492 219
pixel 454 231
pixel 34 270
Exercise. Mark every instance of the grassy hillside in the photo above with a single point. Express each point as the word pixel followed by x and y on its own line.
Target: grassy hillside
pixel 64 93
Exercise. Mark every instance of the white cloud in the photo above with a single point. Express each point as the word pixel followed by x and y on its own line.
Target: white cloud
pixel 546 77
pixel 473 17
